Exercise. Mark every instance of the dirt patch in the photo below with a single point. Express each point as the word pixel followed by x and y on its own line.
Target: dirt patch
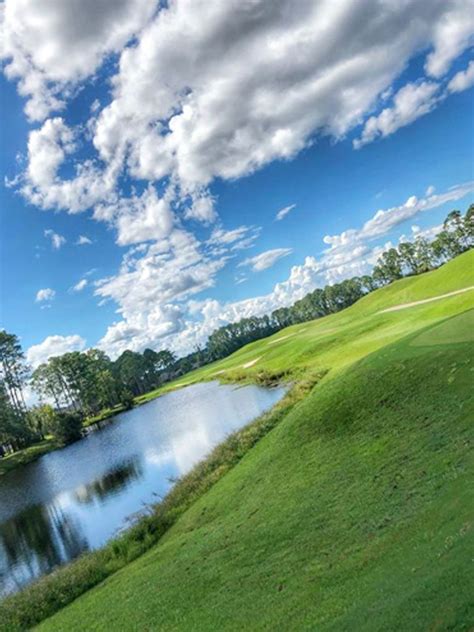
pixel 247 365
pixel 273 342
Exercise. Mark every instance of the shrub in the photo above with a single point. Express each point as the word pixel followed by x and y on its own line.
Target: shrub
pixel 126 399
pixel 66 427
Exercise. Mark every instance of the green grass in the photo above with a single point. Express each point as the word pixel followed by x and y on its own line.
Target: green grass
pixel 26 455
pixel 59 588
pixel 355 512
pixel 330 337
pixel 346 508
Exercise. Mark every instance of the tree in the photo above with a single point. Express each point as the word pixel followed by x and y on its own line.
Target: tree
pixel 157 362
pixel 423 255
pixel 389 267
pixel 13 370
pixel 14 429
pixel 42 419
pixel 10 427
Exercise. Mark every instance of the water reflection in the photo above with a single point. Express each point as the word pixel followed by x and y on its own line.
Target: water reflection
pixel 77 498
pixel 114 481
pixel 34 542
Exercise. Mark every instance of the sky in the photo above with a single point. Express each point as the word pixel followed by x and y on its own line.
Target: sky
pixel 170 167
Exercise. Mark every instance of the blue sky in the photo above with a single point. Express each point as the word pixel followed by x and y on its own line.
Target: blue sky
pixel 174 163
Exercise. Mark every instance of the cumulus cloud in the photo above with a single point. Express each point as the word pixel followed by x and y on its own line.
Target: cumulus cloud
pixel 83 240
pixel 284 212
pixel 139 218
pixel 266 259
pixel 462 80
pixel 53 346
pixel 410 102
pixel 45 295
pixel 425 233
pixel 56 240
pixel 255 80
pixel 452 34
pixel 48 148
pixel 80 285
pixel 151 286
pixel 51 45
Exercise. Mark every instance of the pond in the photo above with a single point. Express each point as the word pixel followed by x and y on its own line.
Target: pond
pixel 75 499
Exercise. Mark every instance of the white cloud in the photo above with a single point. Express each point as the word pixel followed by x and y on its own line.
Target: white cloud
pixel 452 34
pixel 410 102
pixel 462 80
pixel 153 282
pixel 80 285
pixel 45 294
pixel 383 221
pixel 284 212
pixel 201 207
pixel 266 259
pixel 430 190
pixel 426 233
pixel 139 218
pixel 256 80
pixel 238 238
pixel 349 251
pixel 83 240
pixel 53 346
pixel 48 148
pixel 48 46
pixel 56 240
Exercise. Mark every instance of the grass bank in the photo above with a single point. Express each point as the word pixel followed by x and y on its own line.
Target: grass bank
pixel 353 513
pixel 349 510
pixel 53 592
pixel 26 455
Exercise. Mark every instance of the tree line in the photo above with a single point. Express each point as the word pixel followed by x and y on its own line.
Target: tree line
pixel 77 385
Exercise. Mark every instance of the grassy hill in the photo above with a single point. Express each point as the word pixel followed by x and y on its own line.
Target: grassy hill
pixel 355 511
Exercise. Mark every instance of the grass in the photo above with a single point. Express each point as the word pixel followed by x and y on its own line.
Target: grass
pixel 347 507
pixel 353 513
pixel 59 588
pixel 26 455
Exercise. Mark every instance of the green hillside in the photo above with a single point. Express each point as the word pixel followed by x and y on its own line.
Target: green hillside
pixel 355 511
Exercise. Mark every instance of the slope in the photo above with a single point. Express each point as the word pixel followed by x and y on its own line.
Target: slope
pixel 353 512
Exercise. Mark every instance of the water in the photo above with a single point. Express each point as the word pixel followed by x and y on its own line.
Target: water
pixel 75 499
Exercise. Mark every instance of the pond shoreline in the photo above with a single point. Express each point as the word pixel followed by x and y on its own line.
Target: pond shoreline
pixel 53 591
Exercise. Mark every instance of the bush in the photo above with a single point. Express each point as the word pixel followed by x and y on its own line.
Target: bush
pixel 66 427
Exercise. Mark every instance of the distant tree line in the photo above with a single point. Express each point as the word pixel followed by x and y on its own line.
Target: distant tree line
pixel 76 385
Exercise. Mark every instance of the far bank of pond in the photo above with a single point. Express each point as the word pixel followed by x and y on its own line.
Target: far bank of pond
pixel 35 451
pixel 75 499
